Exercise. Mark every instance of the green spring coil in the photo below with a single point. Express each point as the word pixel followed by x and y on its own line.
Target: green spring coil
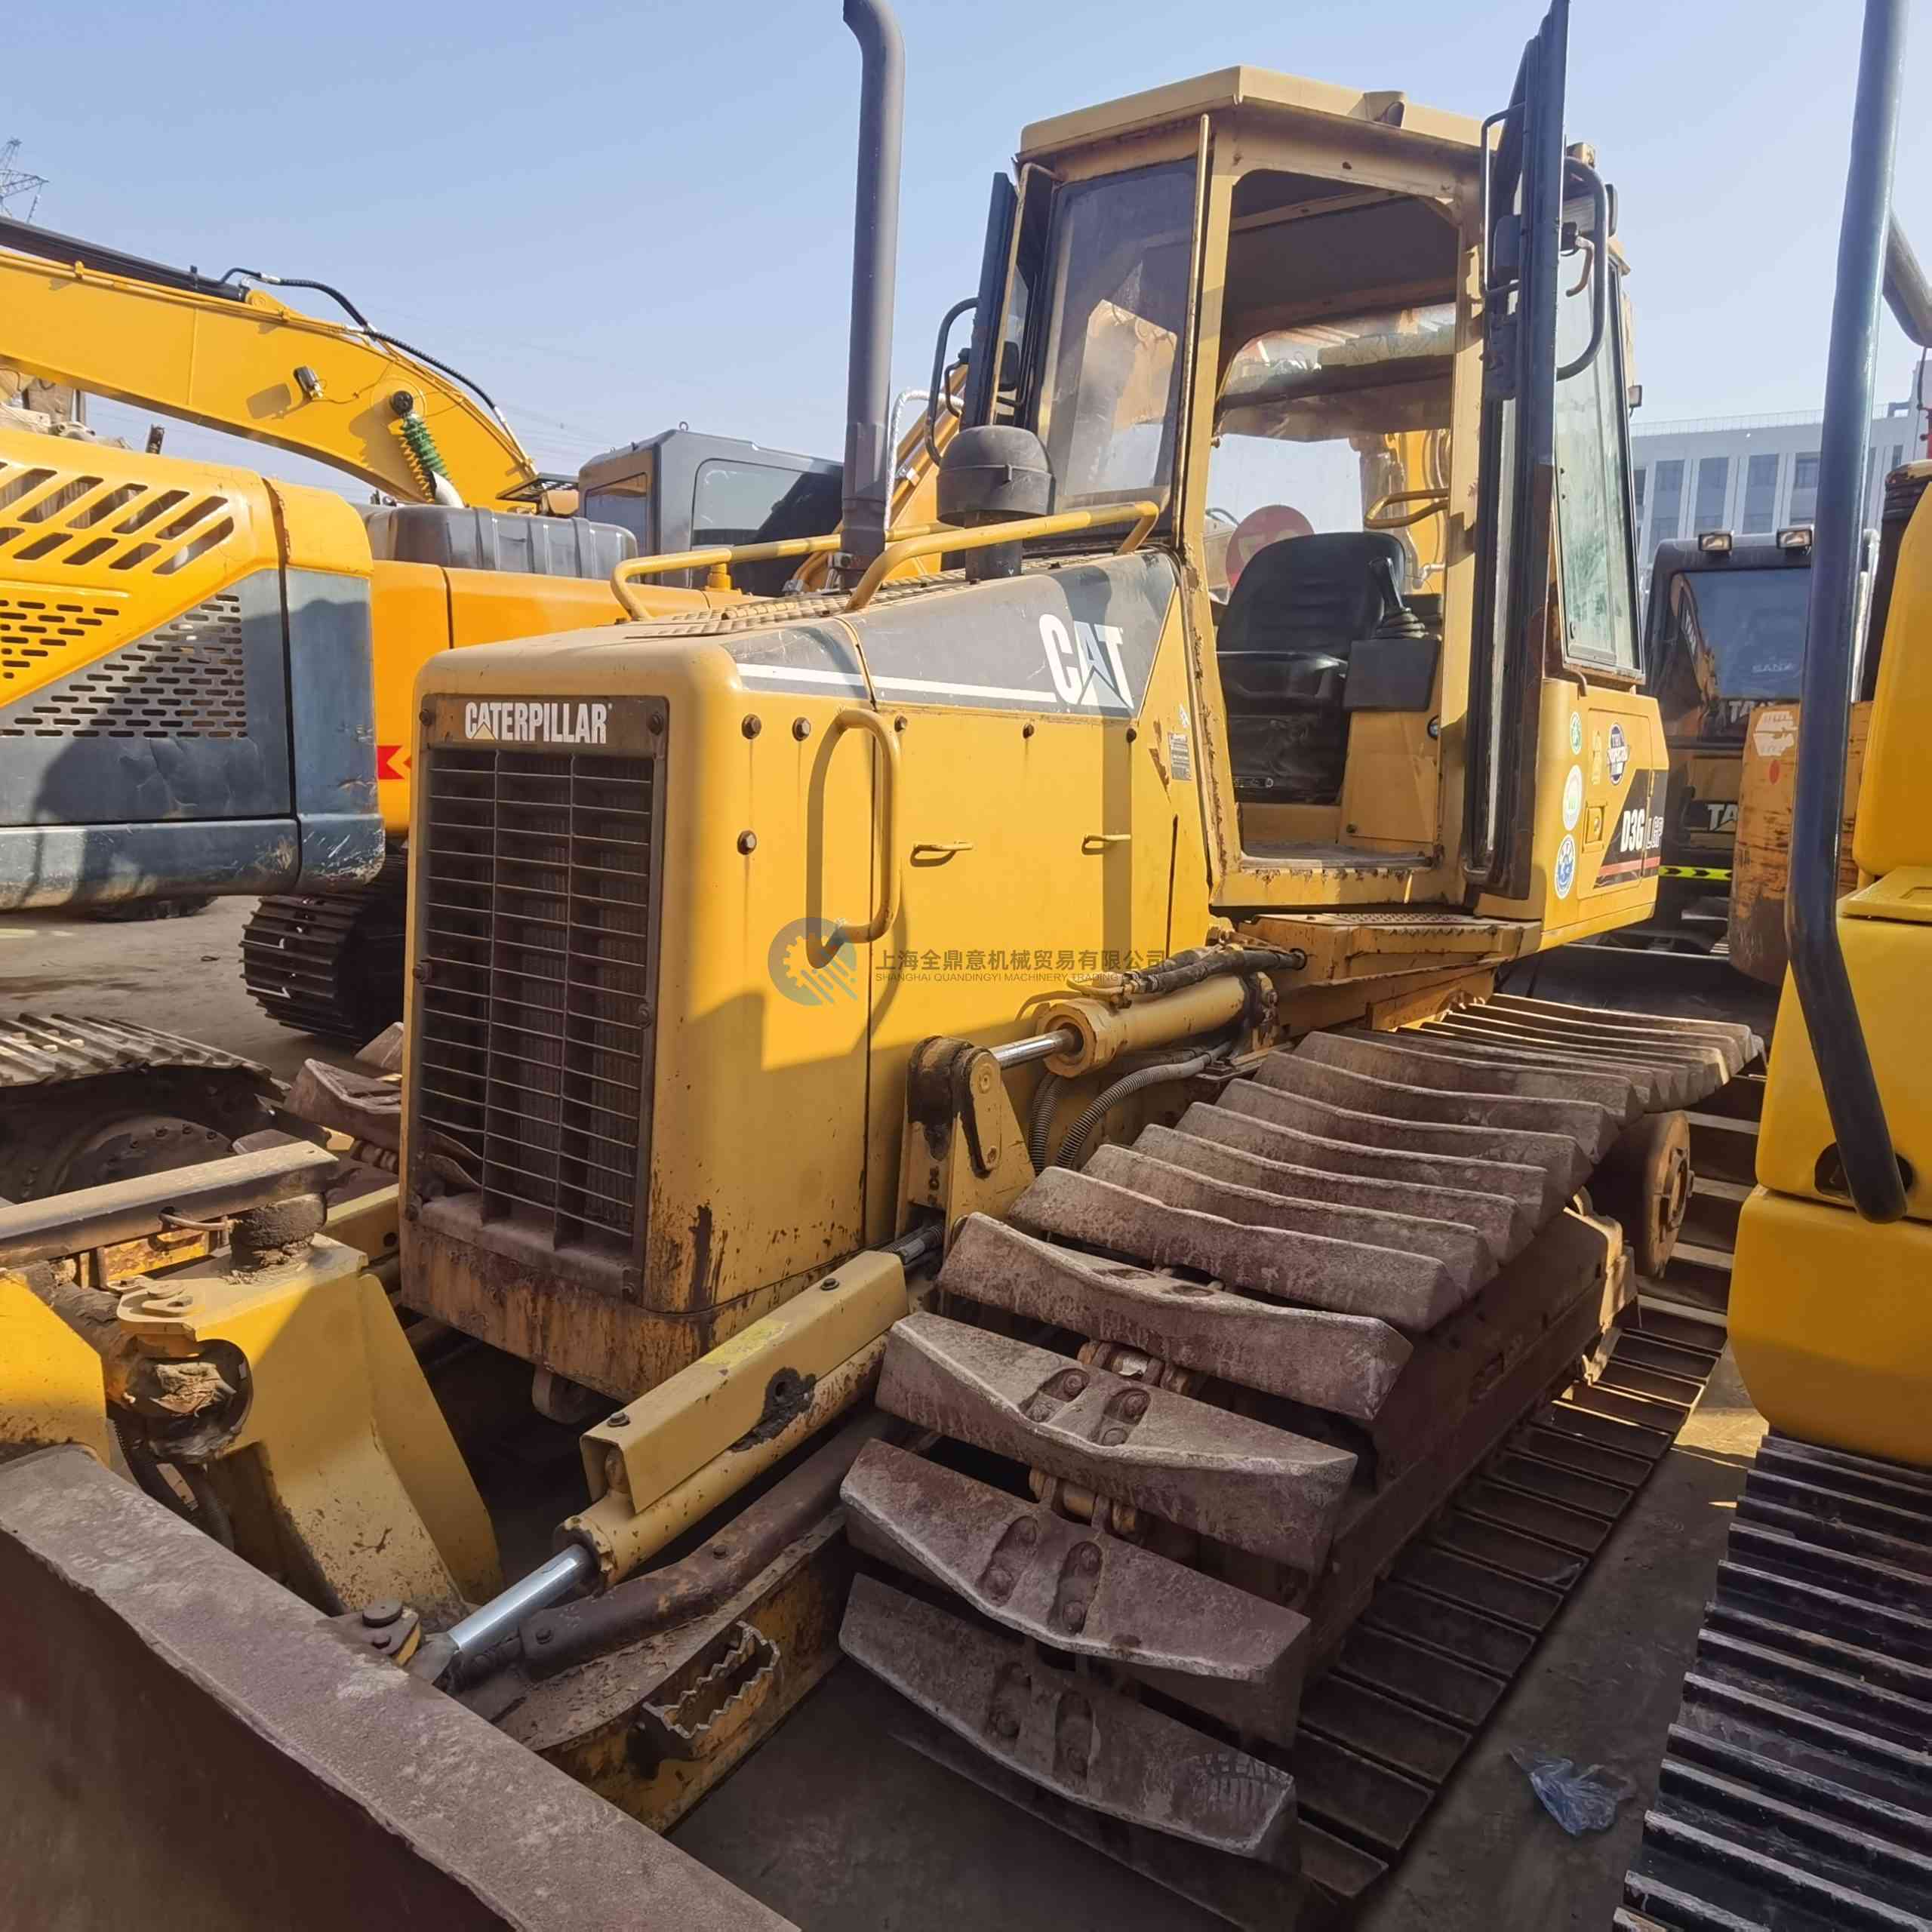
pixel 424 457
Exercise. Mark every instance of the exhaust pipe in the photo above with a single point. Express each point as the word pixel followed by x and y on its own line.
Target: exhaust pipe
pixel 868 492
pixel 1817 960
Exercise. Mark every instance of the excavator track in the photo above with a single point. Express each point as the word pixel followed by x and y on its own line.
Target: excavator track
pixel 332 965
pixel 1796 1789
pixel 1259 1455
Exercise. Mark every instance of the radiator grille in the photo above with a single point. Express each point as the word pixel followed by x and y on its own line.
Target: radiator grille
pixel 536 891
pixel 189 679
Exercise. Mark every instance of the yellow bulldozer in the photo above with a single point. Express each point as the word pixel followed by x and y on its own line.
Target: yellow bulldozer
pixel 987 1084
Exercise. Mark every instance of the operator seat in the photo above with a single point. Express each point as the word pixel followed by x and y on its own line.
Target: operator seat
pixel 1297 611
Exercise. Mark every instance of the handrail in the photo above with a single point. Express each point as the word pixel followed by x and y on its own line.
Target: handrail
pixel 1857 1109
pixel 1906 294
pixel 941 537
pixel 857 718
pixel 716 558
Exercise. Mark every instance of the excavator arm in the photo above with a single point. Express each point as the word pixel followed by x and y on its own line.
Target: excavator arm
pixel 230 357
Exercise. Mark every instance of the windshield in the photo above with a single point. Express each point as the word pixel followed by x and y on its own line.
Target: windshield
pixel 1116 298
pixel 1736 637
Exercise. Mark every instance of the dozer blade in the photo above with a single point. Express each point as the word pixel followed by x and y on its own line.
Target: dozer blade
pixel 1215 1647
pixel 189 1744
pixel 1261 1489
pixel 1591 1127
pixel 1659 1084
pixel 1459 1248
pixel 1095 1746
pixel 1563 1163
pixel 1498 1221
pixel 1244 1117
pixel 1398 1057
pixel 1346 1363
pixel 1413 1292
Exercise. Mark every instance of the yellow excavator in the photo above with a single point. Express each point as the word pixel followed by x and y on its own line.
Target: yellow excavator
pixel 188 651
pixel 1795 1790
pixel 992 1091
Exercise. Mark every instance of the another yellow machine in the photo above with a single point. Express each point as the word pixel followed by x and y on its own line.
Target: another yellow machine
pixel 160 754
pixel 1796 1789
pixel 995 1080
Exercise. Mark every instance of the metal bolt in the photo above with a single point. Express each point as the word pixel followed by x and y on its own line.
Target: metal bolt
pixel 748 843
pixel 1072 1382
pixel 1075 1616
pixel 1026 731
pixel 423 974
pixel 802 728
pixel 1087 1557
pixel 645 1013
pixel 620 1420
pixel 386 1610
pixel 720 1552
pixel 752 725
pixel 1132 734
pixel 899 724
pixel 655 722
pixel 1135 1407
pixel 425 716
pixel 542 1633
pixel 1111 1438
pixel 1026 1532
pixel 830 1282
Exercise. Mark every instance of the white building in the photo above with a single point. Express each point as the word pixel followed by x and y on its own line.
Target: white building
pixel 1750 475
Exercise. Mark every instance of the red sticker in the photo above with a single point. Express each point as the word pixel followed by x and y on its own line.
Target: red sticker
pixel 391 762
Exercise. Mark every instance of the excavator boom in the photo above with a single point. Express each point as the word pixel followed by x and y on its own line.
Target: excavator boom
pixel 229 357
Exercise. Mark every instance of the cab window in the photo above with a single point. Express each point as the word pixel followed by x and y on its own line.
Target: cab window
pixel 1115 297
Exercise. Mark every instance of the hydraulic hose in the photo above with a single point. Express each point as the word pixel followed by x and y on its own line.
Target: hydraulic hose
pixel 1211 962
pixel 1040 1124
pixel 1073 1149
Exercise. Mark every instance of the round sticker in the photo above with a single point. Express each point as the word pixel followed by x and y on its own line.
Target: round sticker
pixel 1576 733
pixel 1620 754
pixel 1573 797
pixel 1566 866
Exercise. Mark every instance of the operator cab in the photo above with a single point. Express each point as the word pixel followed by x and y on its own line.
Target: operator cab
pixel 1260 302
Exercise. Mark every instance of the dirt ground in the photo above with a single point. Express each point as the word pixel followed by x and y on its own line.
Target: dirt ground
pixel 837 1825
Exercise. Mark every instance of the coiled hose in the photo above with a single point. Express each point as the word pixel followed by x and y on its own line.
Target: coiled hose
pixel 1040 1123
pixel 1073 1149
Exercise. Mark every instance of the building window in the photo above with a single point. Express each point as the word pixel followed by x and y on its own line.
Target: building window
pixel 1641 474
pixel 1713 484
pixel 1667 509
pixel 1761 494
pixel 1804 487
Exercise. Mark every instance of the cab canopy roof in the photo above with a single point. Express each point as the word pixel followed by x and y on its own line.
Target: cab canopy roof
pixel 1257 89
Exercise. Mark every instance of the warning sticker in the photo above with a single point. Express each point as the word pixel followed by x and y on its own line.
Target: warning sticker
pixel 1774 731
pixel 1620 754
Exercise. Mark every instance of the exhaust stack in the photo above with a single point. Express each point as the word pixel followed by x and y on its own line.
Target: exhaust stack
pixel 868 493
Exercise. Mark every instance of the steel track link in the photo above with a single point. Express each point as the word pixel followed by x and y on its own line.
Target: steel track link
pixel 331 966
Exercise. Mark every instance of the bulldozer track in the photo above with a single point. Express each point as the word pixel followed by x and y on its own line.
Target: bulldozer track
pixel 1326 1328
pixel 331 966
pixel 1796 1787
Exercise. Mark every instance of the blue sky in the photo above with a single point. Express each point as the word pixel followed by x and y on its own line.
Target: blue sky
pixel 621 217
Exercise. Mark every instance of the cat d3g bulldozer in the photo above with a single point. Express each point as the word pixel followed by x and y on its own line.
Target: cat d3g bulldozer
pixel 996 1084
